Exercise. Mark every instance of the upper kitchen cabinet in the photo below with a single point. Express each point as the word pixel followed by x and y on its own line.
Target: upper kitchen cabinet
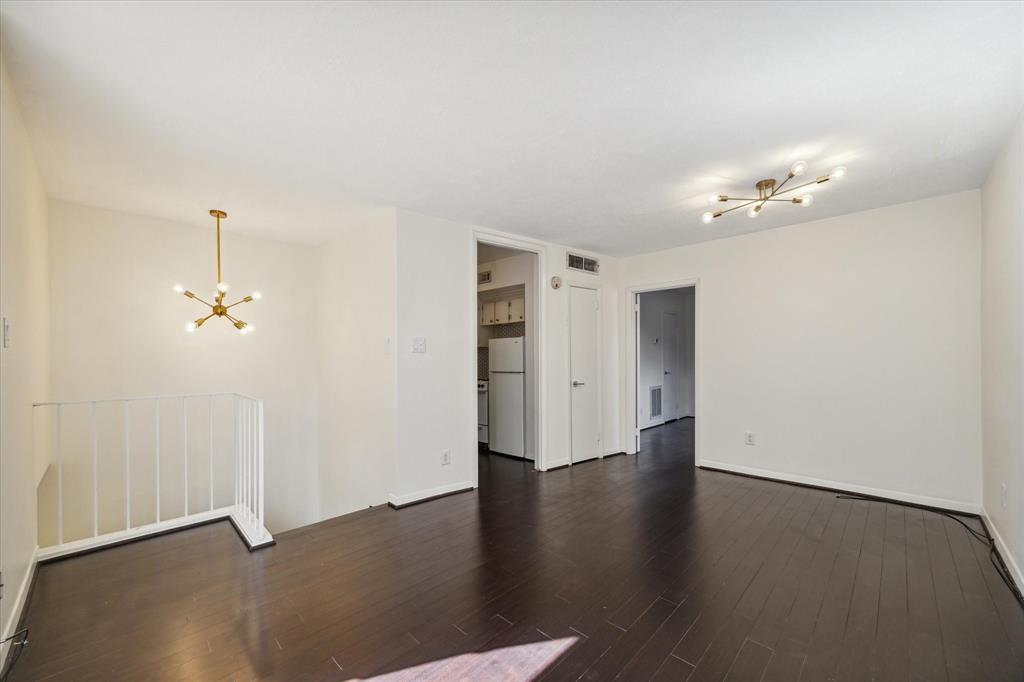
pixel 487 313
pixel 517 310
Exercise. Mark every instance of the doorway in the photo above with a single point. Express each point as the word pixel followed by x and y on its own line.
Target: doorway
pixel 507 315
pixel 664 364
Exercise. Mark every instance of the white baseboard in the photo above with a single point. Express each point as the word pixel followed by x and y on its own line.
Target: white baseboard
pixel 20 599
pixel 408 498
pixel 942 503
pixel 234 514
pixel 1004 551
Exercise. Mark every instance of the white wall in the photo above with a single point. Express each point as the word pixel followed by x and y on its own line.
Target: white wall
pixel 24 364
pixel 849 346
pixel 357 298
pixel 436 390
pixel 1002 292
pixel 650 354
pixel 608 283
pixel 117 330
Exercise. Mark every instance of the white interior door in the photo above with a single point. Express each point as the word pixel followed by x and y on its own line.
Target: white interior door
pixel 584 371
pixel 670 366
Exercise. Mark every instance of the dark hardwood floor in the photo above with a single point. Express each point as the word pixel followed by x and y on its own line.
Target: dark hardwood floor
pixel 636 567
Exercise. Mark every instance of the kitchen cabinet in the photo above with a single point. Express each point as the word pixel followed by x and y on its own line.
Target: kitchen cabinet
pixel 487 316
pixel 501 312
pixel 517 310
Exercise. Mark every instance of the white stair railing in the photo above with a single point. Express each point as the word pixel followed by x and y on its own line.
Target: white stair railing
pixel 233 461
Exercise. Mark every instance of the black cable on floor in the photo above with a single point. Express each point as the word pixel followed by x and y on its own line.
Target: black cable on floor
pixel 16 654
pixel 984 538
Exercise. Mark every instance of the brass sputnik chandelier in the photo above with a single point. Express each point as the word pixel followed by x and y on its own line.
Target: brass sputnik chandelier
pixel 768 190
pixel 218 308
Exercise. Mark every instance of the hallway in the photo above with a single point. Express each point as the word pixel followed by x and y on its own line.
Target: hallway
pixel 637 566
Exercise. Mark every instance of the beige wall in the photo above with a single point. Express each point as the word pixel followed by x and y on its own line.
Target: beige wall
pixel 118 331
pixel 1002 329
pixel 849 346
pixel 357 366
pixel 24 364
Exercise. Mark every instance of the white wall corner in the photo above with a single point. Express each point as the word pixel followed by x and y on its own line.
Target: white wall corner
pixel 1004 550
pixel 420 495
pixel 19 605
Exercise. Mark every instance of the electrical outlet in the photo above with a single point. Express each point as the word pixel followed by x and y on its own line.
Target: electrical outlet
pixel 749 439
pixel 1002 494
pixel 446 458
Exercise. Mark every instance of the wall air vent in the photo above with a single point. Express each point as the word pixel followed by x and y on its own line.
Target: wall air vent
pixel 483 277
pixel 655 402
pixel 574 261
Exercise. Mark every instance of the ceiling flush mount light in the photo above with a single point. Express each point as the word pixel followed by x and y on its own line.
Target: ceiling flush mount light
pixel 770 190
pixel 218 308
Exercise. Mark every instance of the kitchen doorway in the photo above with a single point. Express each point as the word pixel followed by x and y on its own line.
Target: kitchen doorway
pixel 508 352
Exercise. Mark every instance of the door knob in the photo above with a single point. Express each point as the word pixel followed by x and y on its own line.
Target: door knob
pixel 667 372
pixel 577 383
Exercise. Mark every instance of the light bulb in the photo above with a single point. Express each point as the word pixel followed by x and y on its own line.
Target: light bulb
pixel 807 200
pixel 798 168
pixel 753 211
pixel 256 295
pixel 707 217
pixel 178 289
pixel 838 173
pixel 190 327
pixel 714 198
pixel 223 287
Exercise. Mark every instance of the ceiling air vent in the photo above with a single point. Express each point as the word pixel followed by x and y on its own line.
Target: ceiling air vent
pixel 483 277
pixel 575 261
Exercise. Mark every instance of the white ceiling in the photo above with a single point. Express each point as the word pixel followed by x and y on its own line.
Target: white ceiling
pixel 598 125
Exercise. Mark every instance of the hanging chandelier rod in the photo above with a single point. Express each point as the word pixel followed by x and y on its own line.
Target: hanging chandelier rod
pixel 218 214
pixel 218 308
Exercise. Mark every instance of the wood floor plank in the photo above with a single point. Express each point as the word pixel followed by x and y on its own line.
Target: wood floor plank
pixel 613 569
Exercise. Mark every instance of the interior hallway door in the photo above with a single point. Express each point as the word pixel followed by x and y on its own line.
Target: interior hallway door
pixel 584 372
pixel 670 380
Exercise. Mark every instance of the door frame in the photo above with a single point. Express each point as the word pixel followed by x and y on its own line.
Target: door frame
pixel 631 436
pixel 539 307
pixel 592 286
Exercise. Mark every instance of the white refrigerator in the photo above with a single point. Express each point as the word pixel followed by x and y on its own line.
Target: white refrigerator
pixel 506 367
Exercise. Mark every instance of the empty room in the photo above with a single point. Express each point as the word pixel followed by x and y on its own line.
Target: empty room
pixel 512 340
